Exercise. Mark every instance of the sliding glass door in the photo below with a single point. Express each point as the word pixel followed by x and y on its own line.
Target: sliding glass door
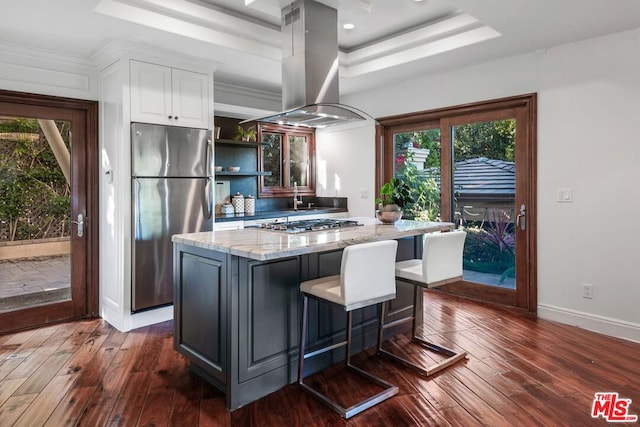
pixel 474 166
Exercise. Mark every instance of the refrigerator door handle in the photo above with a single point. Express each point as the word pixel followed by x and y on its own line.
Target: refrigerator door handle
pixel 209 157
pixel 136 208
pixel 207 207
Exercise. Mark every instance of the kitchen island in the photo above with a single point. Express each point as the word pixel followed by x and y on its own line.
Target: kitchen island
pixel 237 303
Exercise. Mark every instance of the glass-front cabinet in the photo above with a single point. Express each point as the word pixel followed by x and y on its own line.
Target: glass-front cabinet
pixel 289 154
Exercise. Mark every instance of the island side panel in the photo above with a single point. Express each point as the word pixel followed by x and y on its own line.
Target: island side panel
pixel 237 320
pixel 267 313
pixel 200 313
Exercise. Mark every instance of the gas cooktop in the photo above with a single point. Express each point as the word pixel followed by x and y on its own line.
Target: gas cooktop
pixel 310 225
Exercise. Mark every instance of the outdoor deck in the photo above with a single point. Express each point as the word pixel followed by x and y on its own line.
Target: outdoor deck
pixel 34 281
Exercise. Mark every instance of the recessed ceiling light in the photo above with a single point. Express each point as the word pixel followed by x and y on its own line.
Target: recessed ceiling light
pixel 348 26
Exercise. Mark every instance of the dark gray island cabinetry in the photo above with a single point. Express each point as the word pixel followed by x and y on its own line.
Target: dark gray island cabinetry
pixel 237 303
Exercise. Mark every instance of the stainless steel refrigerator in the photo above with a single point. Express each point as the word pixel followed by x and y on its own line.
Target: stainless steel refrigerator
pixel 171 194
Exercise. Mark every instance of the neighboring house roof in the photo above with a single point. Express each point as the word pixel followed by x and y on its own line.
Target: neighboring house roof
pixel 483 178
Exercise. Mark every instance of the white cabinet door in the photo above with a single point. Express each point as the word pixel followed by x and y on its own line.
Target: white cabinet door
pixel 190 99
pixel 169 96
pixel 151 93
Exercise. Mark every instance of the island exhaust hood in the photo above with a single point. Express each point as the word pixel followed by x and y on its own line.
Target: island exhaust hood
pixel 310 69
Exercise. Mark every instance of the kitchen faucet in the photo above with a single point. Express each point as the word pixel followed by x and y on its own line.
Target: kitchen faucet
pixel 296 201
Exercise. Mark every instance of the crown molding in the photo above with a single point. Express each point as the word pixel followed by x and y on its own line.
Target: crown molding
pixel 116 49
pixel 30 69
pixel 32 54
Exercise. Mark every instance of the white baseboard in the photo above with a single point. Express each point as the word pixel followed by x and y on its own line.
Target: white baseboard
pixel 127 322
pixel 113 316
pixel 146 318
pixel 600 324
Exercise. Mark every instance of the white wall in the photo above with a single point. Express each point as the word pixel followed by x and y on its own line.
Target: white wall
pixel 588 140
pixel 341 158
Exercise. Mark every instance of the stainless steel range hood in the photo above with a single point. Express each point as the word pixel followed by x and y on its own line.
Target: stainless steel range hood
pixel 310 68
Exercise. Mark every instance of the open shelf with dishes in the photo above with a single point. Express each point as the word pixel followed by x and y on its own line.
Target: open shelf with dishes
pixel 230 153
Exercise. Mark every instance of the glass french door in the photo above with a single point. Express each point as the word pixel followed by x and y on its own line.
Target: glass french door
pixel 482 201
pixel 476 168
pixel 46 255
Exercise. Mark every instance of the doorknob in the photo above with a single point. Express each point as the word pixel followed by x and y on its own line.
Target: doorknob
pixel 80 224
pixel 521 219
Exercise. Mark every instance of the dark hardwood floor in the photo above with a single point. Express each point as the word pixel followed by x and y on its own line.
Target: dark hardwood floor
pixel 519 372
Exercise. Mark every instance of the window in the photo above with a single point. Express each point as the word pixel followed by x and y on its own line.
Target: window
pixel 289 154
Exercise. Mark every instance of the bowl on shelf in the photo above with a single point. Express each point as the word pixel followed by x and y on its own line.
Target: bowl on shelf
pixel 233 168
pixel 217 169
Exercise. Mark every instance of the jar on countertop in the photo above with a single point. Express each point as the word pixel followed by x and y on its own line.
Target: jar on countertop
pixel 238 203
pixel 249 205
pixel 227 209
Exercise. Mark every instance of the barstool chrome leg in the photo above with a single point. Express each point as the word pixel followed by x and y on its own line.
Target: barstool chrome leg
pixel 388 391
pixel 349 324
pixel 383 307
pixel 452 356
pixel 303 338
pixel 414 314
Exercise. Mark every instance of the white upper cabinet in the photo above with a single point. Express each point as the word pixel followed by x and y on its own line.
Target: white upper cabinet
pixel 169 96
pixel 190 94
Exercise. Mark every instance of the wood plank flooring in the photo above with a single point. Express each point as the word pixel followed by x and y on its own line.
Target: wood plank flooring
pixel 519 372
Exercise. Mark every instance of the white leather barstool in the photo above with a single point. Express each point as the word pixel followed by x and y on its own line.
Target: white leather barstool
pixel 366 278
pixel 441 263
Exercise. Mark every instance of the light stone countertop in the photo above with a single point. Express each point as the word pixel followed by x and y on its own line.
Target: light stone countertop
pixel 262 245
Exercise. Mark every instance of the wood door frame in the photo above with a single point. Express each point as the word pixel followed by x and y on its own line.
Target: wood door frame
pixel 87 111
pixel 524 108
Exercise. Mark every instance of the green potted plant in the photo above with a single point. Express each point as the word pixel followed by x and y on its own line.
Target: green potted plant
pixel 243 134
pixel 393 197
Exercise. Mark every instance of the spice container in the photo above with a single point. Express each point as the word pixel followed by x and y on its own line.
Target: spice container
pixel 227 209
pixel 249 205
pixel 238 203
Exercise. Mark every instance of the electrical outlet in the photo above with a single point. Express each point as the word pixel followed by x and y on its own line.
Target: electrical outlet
pixel 364 193
pixel 587 290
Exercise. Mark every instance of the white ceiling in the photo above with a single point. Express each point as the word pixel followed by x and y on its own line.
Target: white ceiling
pixel 393 39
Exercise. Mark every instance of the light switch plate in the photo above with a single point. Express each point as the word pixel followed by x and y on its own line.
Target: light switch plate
pixel 565 195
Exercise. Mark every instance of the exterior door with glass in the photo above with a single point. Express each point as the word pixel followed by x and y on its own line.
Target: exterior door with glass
pixel 476 167
pixel 48 242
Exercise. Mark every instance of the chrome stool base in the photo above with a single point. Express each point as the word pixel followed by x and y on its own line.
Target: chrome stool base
pixel 388 391
pixel 452 356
